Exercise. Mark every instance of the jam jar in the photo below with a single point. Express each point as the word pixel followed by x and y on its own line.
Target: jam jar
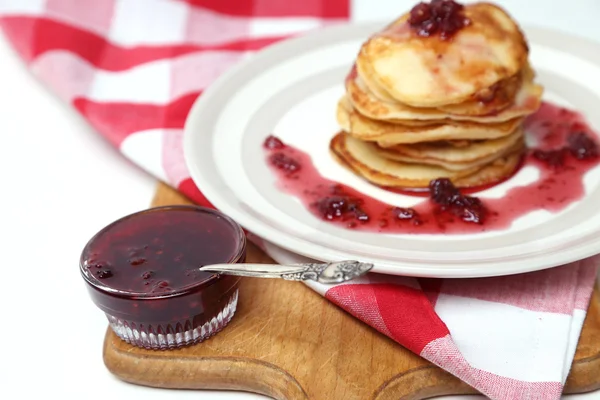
pixel 142 271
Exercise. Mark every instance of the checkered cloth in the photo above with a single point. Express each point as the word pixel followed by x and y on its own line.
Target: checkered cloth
pixel 133 68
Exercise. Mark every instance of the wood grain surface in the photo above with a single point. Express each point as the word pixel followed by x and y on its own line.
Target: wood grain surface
pixel 287 342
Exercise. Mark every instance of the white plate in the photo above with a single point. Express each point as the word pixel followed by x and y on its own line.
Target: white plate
pixel 291 89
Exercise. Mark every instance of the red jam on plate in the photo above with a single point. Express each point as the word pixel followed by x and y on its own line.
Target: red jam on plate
pixel 142 271
pixel 564 149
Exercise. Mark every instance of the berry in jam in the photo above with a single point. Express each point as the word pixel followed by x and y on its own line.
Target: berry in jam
pixel 469 209
pixel 339 205
pixel 285 163
pixel 445 17
pixel 420 14
pixel 578 144
pixel 103 273
pixel 402 213
pixel 147 275
pixel 280 159
pixel 442 191
pixel 582 146
pixel 137 261
pixel 272 142
pixel 448 197
pixel 553 158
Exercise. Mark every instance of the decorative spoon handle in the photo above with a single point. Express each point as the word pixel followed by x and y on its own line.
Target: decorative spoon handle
pixel 328 273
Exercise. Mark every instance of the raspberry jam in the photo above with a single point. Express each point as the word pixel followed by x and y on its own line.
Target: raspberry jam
pixel 467 208
pixel 564 148
pixel 142 271
pixel 443 17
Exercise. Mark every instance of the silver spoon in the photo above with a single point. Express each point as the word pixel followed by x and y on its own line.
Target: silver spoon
pixel 328 273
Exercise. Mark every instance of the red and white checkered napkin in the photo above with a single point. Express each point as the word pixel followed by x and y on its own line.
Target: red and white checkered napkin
pixel 133 68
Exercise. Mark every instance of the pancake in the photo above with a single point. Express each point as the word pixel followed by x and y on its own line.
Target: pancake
pixel 362 158
pixel 490 100
pixel 526 101
pixel 370 85
pixel 494 172
pixel 493 99
pixel 455 158
pixel 432 72
pixel 389 134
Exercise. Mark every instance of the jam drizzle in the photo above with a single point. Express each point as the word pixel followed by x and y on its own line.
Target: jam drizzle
pixel 564 150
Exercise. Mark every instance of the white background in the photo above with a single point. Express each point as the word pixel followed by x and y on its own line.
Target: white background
pixel 62 182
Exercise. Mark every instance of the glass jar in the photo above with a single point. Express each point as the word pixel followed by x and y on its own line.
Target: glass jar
pixel 142 271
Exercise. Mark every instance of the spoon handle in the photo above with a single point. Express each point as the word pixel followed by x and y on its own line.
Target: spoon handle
pixel 334 272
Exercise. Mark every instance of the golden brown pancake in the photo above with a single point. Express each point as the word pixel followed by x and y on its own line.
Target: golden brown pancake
pixel 526 101
pixel 493 99
pixel 362 158
pixel 488 101
pixel 369 85
pixel 494 172
pixel 431 72
pixel 452 157
pixel 389 134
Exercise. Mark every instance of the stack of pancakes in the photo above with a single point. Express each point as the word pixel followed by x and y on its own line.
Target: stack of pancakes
pixel 420 108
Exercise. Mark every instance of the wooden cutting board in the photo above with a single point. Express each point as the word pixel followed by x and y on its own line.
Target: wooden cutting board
pixel 287 342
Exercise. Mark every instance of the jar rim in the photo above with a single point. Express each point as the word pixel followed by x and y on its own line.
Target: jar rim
pixel 97 284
